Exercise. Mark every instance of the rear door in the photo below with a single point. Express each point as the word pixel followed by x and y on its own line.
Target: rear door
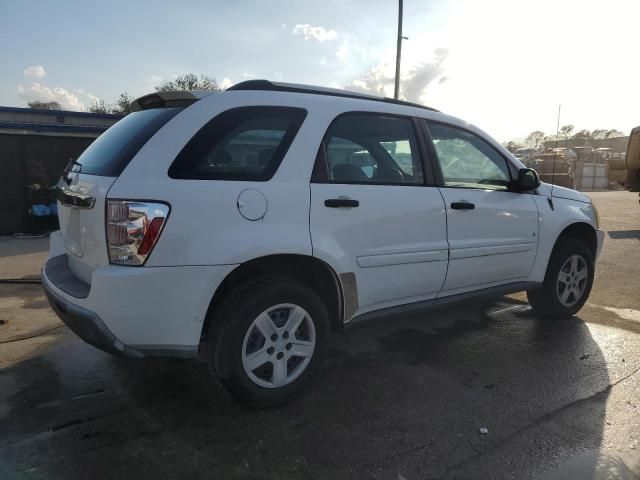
pixel 83 188
pixel 373 214
pixel 492 231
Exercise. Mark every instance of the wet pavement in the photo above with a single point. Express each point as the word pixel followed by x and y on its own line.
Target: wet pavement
pixel 404 399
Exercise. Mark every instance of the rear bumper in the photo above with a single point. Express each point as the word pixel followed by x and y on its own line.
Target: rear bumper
pixel 134 311
pixel 85 323
pixel 56 277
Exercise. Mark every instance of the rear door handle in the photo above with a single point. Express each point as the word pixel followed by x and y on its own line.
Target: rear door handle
pixel 341 202
pixel 462 205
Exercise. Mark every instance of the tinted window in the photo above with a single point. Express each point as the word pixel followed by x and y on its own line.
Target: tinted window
pixel 245 143
pixel 113 150
pixel 365 148
pixel 467 161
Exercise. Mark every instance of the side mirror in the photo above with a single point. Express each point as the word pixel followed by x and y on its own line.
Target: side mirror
pixel 527 180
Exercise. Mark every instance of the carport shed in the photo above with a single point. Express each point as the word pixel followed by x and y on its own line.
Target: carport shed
pixel 35 146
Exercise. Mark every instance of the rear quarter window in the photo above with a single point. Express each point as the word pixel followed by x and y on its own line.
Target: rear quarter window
pixel 112 151
pixel 246 143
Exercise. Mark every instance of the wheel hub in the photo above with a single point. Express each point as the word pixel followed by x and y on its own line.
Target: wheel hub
pixel 572 280
pixel 278 345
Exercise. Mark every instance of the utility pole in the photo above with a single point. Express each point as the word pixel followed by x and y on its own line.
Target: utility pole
pixel 396 90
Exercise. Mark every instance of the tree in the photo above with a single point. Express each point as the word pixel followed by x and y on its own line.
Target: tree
pixel 613 133
pixel 45 105
pixel 598 133
pixel 512 146
pixel 99 106
pixel 565 131
pixel 189 81
pixel 123 104
pixel 581 135
pixel 535 138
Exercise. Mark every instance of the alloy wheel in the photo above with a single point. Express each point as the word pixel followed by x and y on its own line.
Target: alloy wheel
pixel 572 280
pixel 278 345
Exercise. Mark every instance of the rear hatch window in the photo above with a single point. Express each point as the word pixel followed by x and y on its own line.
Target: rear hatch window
pixel 113 150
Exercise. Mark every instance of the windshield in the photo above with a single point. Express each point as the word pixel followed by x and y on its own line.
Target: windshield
pixel 113 150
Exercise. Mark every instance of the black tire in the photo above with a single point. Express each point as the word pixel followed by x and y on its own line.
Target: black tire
pixel 546 301
pixel 232 321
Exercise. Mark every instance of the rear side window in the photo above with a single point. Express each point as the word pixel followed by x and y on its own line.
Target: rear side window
pixel 112 151
pixel 246 143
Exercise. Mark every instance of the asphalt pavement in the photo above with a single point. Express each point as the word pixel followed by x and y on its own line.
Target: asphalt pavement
pixel 482 390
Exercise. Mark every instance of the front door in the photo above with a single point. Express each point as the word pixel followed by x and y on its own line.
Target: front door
pixel 492 231
pixel 373 216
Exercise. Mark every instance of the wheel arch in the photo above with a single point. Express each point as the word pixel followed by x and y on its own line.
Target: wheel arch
pixel 310 271
pixel 583 232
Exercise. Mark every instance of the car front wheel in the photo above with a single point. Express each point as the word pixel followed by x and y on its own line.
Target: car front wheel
pixel 567 282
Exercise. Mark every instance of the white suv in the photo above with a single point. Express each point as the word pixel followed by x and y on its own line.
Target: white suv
pixel 243 227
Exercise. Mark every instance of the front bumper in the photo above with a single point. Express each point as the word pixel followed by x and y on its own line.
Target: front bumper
pixel 600 242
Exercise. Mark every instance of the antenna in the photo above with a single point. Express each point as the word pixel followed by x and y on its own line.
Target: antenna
pixel 555 153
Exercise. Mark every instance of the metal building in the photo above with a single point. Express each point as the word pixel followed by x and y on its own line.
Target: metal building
pixel 35 146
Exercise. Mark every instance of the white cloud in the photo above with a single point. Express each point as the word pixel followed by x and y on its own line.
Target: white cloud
pixel 377 81
pixel 507 82
pixel 225 83
pixel 351 51
pixel 151 81
pixel 343 52
pixel 417 74
pixel 510 83
pixel 36 91
pixel 36 71
pixel 319 34
pixel 92 98
pixel 415 83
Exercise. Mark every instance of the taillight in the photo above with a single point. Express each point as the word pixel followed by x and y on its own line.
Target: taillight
pixel 133 229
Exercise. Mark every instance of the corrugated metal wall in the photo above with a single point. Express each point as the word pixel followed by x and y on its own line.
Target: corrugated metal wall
pixel 31 160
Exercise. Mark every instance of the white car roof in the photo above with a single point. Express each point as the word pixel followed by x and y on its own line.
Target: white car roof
pixel 353 101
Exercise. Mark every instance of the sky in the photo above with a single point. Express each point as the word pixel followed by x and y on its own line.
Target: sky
pixel 503 65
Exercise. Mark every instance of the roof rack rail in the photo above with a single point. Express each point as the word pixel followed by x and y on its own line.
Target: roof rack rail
pixel 332 92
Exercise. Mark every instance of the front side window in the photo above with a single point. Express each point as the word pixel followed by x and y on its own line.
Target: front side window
pixel 246 143
pixel 368 148
pixel 467 161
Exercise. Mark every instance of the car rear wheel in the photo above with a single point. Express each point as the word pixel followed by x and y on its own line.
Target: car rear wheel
pixel 271 340
pixel 567 282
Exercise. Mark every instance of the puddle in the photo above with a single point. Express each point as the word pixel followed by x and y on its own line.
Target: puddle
pixel 624 313
pixel 595 466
